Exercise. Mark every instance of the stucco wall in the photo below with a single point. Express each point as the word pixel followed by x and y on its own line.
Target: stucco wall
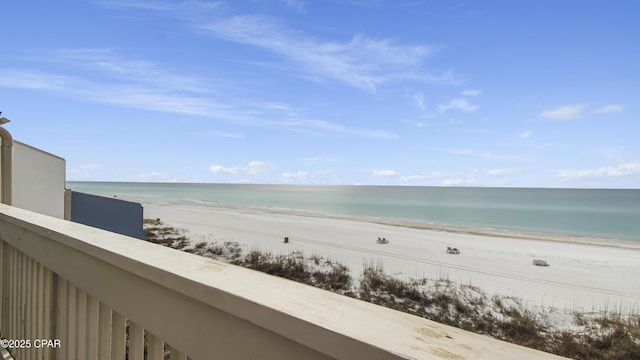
pixel 38 180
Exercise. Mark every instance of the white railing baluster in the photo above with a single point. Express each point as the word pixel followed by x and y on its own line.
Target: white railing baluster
pixel 206 308
pixel 20 286
pixel 72 331
pixel 118 336
pixel 48 311
pixel 177 355
pixel 92 328
pixel 39 313
pixel 155 347
pixel 62 317
pixel 23 302
pixel 81 323
pixel 136 341
pixel 104 332
pixel 31 303
pixel 11 279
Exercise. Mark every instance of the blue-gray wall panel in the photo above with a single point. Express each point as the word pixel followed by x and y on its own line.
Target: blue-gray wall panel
pixel 115 215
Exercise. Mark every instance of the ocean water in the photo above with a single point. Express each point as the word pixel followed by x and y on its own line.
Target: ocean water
pixel 602 213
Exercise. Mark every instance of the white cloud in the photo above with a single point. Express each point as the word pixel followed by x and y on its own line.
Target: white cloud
pixel 427 176
pixel 136 4
pixel 294 4
pixel 296 175
pixel 615 154
pixel 145 85
pixel 339 128
pixel 91 166
pixel 384 173
pixel 623 169
pixel 467 180
pixel 325 172
pixel 457 104
pixel 453 182
pixel 566 112
pixel 472 92
pixel 490 155
pixel 503 172
pixel 251 168
pixel 612 108
pixel 526 134
pixel 419 101
pixel 362 62
pixel 417 124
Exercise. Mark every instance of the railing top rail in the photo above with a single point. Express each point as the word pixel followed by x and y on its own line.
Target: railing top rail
pixel 198 304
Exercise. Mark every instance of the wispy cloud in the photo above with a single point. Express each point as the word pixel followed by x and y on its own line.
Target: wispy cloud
pixel 33 79
pixel 490 155
pixel 298 175
pixel 612 108
pixel 319 176
pixel 503 172
pixel 472 92
pixel 362 62
pixel 418 99
pixel 224 134
pixel 174 8
pixel 457 104
pixel 615 154
pixel 468 180
pixel 427 176
pixel 566 112
pixel 417 124
pixel 384 173
pixel 296 5
pixel 102 75
pixel 251 168
pixel 622 169
pixel 108 65
pixel 526 134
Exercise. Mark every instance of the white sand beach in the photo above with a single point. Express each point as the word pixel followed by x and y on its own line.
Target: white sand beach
pixel 583 275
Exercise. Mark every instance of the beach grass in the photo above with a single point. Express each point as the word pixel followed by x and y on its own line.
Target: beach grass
pixel 601 335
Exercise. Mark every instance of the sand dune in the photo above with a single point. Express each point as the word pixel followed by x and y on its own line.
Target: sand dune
pixel 583 275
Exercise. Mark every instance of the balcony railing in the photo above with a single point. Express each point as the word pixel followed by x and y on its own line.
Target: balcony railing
pixel 93 294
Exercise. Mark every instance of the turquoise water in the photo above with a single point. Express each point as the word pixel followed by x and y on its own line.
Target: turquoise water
pixel 608 213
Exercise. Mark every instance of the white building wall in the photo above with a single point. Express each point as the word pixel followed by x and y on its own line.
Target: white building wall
pixel 38 180
pixel 1 199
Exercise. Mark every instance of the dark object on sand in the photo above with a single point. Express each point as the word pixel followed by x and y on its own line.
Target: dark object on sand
pixel 539 262
pixel 453 251
pixel 382 241
pixel 286 239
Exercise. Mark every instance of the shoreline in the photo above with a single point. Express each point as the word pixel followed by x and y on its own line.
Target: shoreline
pixel 446 228
pixel 583 275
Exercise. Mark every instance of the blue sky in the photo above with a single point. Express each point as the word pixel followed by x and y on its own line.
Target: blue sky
pixel 444 93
